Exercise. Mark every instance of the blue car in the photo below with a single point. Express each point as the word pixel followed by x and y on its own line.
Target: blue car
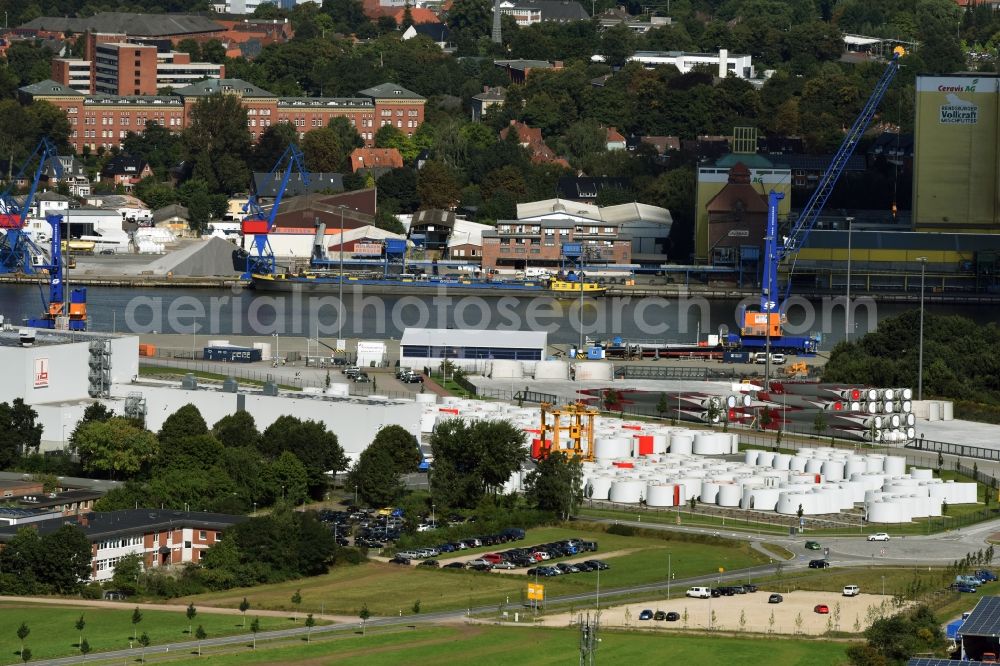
pixel 963 587
pixel 985 575
pixel 646 615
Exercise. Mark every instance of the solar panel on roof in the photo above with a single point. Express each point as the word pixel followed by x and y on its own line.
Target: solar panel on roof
pixel 934 661
pixel 984 619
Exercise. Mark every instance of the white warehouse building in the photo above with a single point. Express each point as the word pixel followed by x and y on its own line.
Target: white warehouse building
pixel 512 354
pixel 723 63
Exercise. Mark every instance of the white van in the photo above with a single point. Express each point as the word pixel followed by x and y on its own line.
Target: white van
pixel 537 273
pixel 851 590
pixel 699 592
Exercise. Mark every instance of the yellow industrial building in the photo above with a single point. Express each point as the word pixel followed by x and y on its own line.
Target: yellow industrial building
pixel 956 167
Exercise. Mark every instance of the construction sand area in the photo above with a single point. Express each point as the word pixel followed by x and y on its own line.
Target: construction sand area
pixel 855 613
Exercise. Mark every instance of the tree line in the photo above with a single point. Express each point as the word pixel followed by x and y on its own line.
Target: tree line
pixel 231 468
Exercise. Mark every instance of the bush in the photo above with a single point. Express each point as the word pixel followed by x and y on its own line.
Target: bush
pixel 347 555
pixel 92 591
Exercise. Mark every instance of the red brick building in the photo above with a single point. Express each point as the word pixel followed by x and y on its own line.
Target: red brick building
pixel 104 120
pixel 374 158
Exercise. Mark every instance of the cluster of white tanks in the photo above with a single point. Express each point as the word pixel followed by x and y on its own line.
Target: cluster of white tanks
pixel 666 466
pixel 827 480
pixel 554 369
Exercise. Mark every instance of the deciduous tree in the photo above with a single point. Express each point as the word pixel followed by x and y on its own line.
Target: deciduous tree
pixel 115 446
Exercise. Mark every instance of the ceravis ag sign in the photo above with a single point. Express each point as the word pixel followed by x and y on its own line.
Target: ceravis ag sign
pixel 956 110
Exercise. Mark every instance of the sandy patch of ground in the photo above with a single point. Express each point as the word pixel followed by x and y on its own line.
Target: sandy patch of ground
pixel 756 611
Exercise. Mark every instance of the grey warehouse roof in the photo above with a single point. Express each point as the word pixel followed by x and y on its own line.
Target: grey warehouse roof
pixel 139 25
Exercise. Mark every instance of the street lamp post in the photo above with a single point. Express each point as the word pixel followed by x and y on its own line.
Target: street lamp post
pixel 340 289
pixel 847 303
pixel 920 356
pixel 670 573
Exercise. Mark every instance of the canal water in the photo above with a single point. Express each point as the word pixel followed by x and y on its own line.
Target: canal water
pixel 245 312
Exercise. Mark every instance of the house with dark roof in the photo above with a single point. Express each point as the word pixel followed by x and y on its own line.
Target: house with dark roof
pixel 266 184
pixel 436 32
pixel 126 170
pixel 519 69
pixel 893 147
pixel 484 101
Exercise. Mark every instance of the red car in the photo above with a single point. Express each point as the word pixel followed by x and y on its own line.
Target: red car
pixel 822 609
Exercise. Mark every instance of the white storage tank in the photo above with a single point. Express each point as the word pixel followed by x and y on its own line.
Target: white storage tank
pixel 797 463
pixel 507 369
pixel 729 495
pixel 662 494
pixel 750 456
pixel 947 410
pixel 681 443
pixel 895 465
pixel 833 470
pixel 765 459
pixel 709 492
pixel 781 461
pixel 599 487
pixel 922 474
pixel 933 411
pixel 594 370
pixel 552 370
pixel 814 466
pixel 606 448
pixel 627 491
pixel 760 499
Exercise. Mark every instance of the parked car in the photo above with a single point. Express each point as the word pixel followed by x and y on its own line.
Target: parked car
pixel 455 565
pixel 851 590
pixel 775 599
pixel 813 545
pixel 599 564
pixel 673 616
pixel 985 575
pixel 430 563
pixel 400 560
pixel 818 564
pixel 822 609
pixel 504 565
pixel 963 587
pixel 749 587
pixel 878 536
pixel 646 615
pixel 482 566
pixel 699 592
pixel 362 378
pixel 724 591
pixel 659 616
pixel 479 561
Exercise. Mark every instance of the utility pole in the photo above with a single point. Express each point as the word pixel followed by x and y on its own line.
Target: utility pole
pixel 847 304
pixel 920 357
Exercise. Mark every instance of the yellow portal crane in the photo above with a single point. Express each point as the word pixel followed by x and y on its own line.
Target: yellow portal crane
pixel 579 431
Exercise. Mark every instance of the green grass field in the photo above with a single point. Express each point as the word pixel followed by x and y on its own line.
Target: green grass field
pixel 485 645
pixel 388 589
pixel 53 633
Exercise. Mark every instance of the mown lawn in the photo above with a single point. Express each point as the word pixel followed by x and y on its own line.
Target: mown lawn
pixel 53 632
pixel 485 646
pixel 389 589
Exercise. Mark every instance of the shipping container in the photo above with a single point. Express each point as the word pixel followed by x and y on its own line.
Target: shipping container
pixel 736 357
pixel 232 354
